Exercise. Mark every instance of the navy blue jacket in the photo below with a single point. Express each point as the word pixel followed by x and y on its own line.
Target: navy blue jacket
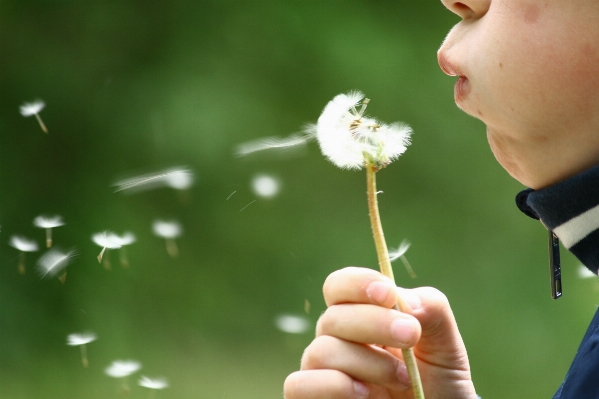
pixel 571 210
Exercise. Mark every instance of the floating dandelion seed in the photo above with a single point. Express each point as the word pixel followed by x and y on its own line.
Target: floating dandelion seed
pixel 53 262
pixel 169 230
pixel 153 383
pixel 265 186
pixel 80 340
pixel 122 369
pixel 48 223
pixel 177 178
pixel 24 245
pixel 272 143
pixel 106 240
pixel 400 253
pixel 352 140
pixel 124 240
pixel 292 324
pixel 34 108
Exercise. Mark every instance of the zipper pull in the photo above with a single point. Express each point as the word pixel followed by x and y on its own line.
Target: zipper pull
pixel 555 269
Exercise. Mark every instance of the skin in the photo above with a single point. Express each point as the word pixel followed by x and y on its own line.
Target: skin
pixel 529 69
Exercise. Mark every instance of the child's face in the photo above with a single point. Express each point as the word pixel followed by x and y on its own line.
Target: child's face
pixel 529 69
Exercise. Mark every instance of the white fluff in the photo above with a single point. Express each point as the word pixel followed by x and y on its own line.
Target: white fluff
pixel 349 139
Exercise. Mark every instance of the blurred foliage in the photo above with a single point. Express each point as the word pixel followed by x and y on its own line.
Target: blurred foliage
pixel 136 86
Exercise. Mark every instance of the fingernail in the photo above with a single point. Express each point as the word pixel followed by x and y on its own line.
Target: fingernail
pixel 403 376
pixel 402 331
pixel 410 297
pixel 361 390
pixel 378 291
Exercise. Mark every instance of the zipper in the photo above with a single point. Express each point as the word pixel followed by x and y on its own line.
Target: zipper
pixel 555 269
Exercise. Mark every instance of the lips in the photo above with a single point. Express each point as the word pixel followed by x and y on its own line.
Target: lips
pixel 462 86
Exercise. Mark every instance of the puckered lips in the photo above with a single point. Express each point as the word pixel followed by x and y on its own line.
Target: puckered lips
pixel 462 86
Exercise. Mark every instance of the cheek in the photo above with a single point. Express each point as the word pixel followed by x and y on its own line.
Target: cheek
pixel 539 79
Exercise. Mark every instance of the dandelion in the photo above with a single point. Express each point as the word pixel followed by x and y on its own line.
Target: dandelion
pixel 106 240
pixel 265 186
pixel 169 230
pixel 53 262
pixel 48 223
pixel 352 140
pixel 34 108
pixel 122 369
pixel 399 253
pixel 177 178
pixel 80 340
pixel 124 240
pixel 153 383
pixel 24 245
pixel 292 324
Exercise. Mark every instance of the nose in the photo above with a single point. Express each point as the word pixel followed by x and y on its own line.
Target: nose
pixel 467 9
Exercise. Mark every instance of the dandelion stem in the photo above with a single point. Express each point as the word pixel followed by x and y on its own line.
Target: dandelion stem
pixel 171 248
pixel 385 266
pixel 22 262
pixel 48 237
pixel 39 119
pixel 84 355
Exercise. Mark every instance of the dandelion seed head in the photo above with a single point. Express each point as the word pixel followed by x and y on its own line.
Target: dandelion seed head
pixel 32 108
pixel 122 368
pixel 153 383
pixel 395 254
pixel 54 261
pixel 107 239
pixel 167 229
pixel 126 239
pixel 179 179
pixel 350 139
pixel 48 222
pixel 584 272
pixel 77 339
pixel 292 324
pixel 23 244
pixel 265 186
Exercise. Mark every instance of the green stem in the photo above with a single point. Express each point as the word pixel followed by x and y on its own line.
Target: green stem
pixel 385 266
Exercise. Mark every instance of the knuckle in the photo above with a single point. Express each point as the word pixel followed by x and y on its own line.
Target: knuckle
pixel 316 354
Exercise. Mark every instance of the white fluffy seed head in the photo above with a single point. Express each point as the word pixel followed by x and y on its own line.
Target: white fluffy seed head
pixel 122 368
pixel 23 244
pixel 265 186
pixel 77 339
pixel 153 383
pixel 395 254
pixel 126 239
pixel 177 178
pixel 350 139
pixel 167 229
pixel 107 239
pixel 32 108
pixel 54 261
pixel 292 324
pixel 48 222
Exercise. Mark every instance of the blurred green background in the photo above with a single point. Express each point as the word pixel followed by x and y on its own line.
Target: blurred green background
pixel 139 86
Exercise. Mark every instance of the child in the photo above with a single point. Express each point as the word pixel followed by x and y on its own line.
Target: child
pixel 529 69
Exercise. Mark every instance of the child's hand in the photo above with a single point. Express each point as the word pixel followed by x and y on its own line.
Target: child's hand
pixel 355 353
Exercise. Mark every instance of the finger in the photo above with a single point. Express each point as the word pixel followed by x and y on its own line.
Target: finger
pixel 359 285
pixel 320 384
pixel 361 362
pixel 368 324
pixel 440 338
